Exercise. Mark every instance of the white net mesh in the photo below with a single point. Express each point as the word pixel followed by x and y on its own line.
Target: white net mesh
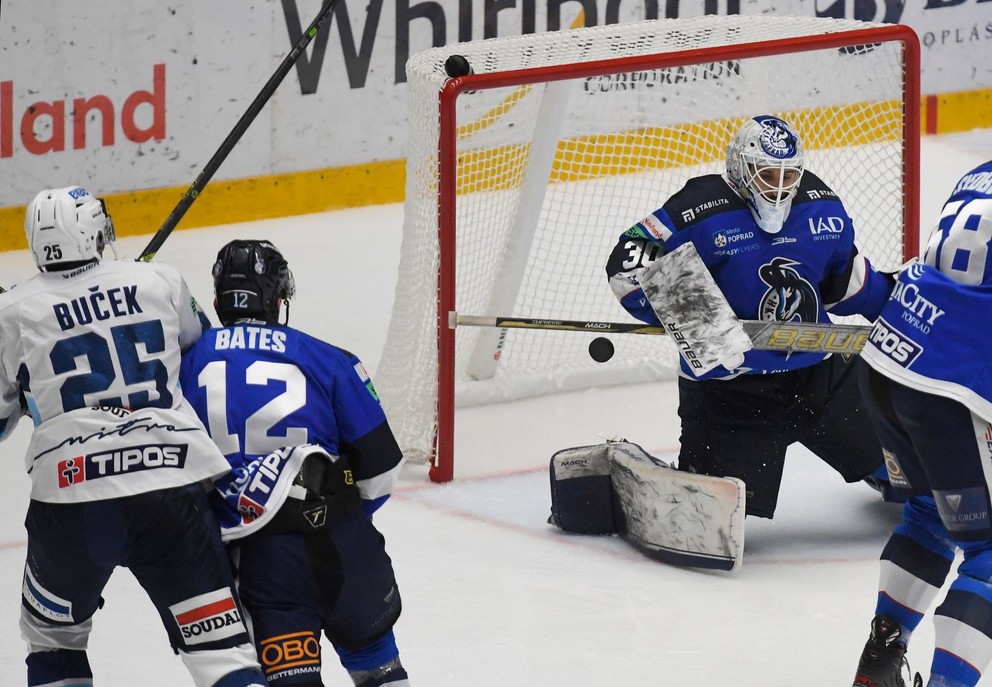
pixel 549 174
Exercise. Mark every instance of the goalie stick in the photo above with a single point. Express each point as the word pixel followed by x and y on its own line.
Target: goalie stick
pixel 808 337
pixel 237 132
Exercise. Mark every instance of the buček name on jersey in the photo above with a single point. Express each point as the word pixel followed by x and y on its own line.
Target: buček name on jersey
pixel 97 305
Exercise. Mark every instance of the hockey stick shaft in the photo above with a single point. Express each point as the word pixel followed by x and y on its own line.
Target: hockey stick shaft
pixel 809 337
pixel 237 132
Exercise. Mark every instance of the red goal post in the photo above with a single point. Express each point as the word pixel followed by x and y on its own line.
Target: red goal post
pixel 522 175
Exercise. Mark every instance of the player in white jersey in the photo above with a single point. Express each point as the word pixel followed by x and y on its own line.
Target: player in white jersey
pixel 928 389
pixel 118 459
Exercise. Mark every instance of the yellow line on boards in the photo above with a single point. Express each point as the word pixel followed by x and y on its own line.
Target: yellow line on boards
pixel 231 201
pixel 377 183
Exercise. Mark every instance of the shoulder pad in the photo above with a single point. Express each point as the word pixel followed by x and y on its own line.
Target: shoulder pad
pixel 700 198
pixel 813 188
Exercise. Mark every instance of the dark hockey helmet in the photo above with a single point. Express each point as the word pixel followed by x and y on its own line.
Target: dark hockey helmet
pixel 251 280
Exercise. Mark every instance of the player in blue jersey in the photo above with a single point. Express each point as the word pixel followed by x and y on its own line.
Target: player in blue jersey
pixel 781 246
pixel 91 350
pixel 267 392
pixel 928 387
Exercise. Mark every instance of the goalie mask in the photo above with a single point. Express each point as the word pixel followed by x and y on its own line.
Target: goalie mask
pixel 764 166
pixel 67 226
pixel 251 281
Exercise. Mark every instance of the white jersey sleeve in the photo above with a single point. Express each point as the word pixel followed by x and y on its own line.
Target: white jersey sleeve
pixel 10 399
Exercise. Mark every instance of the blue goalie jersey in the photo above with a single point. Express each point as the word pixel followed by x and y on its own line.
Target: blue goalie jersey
pixel 809 268
pixel 259 388
pixel 930 335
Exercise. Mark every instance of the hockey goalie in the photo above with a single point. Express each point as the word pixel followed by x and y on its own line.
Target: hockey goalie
pixel 766 240
pixel 617 487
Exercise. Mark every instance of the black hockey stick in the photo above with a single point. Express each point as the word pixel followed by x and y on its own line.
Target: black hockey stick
pixel 810 337
pixel 239 129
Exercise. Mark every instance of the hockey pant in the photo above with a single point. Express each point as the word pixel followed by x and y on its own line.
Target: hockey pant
pixel 171 543
pixel 742 427
pixel 337 580
pixel 936 449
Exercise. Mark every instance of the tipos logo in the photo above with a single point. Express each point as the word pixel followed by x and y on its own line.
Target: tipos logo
pixel 78 469
pixel 208 617
pixel 893 344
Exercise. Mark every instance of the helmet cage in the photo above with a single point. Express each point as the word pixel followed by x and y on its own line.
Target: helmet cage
pixel 109 234
pixel 775 182
pixel 765 164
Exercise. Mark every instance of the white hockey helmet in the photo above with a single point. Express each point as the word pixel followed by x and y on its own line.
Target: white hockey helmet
pixel 67 225
pixel 765 163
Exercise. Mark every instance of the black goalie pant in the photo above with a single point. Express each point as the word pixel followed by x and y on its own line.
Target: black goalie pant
pixel 741 427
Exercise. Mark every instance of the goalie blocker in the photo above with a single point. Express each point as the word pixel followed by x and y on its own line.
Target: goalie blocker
pixel 672 516
pixel 694 311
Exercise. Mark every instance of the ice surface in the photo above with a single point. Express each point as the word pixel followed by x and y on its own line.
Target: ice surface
pixel 493 596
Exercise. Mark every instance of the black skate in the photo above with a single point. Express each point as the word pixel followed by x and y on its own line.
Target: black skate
pixel 883 662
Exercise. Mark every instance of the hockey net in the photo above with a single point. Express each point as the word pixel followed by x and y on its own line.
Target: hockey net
pixel 522 176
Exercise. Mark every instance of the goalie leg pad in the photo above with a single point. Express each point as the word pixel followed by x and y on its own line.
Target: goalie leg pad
pixel 678 517
pixel 582 499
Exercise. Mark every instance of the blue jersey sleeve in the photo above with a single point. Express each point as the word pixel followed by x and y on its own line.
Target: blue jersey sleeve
pixel 637 248
pixel 365 436
pixel 854 286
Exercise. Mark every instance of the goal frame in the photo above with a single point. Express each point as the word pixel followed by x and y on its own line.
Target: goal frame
pixel 442 461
